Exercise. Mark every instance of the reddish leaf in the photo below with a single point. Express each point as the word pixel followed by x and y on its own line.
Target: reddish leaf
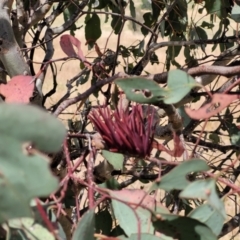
pixel 67 41
pixel 159 146
pixel 178 147
pixel 18 90
pixel 137 197
pixel 218 103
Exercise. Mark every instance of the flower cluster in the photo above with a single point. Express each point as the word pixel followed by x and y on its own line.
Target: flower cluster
pixel 129 132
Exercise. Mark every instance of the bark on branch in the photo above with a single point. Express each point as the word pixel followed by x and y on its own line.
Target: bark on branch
pixel 10 52
pixel 161 78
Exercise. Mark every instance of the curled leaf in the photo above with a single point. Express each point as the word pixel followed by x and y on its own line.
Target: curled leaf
pixel 218 103
pixel 67 42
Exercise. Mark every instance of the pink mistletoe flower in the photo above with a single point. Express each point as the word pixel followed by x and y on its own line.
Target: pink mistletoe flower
pixel 128 132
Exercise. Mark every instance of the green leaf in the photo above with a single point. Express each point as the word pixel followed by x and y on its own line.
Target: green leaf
pixel 173 51
pixel 199 33
pixel 217 34
pixel 179 85
pixel 117 231
pixel 28 228
pixel 93 29
pixel 185 118
pixel 69 200
pixel 214 138
pixel 207 25
pixel 176 178
pixel 189 59
pixel 67 15
pixel 103 222
pixel 128 219
pixel 128 215
pixel 228 118
pixel 235 13
pixel 30 124
pixel 133 14
pixel 205 190
pixel 177 21
pixel 218 7
pixel 111 183
pixel 234 132
pixel 83 79
pixel 117 21
pixel 141 90
pixel 115 159
pixel 162 28
pixel 209 216
pixel 137 50
pixel 86 226
pixel 146 5
pixel 101 4
pixel 116 24
pixel 235 138
pixel 147 17
pixel 157 7
pixel 183 228
pixel 106 9
pixel 24 172
pixel 124 51
pixel 154 59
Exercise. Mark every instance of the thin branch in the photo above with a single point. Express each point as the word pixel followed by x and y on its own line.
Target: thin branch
pixel 86 94
pixel 75 16
pixel 229 226
pixel 198 71
pixel 40 10
pixel 210 145
pixel 124 17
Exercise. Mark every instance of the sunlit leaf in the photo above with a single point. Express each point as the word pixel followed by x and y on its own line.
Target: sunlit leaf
pixel 179 85
pixel 176 178
pixel 235 14
pixel 205 190
pixel 128 214
pixel 115 159
pixel 141 90
pixel 85 228
pixel 29 228
pixel 209 216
